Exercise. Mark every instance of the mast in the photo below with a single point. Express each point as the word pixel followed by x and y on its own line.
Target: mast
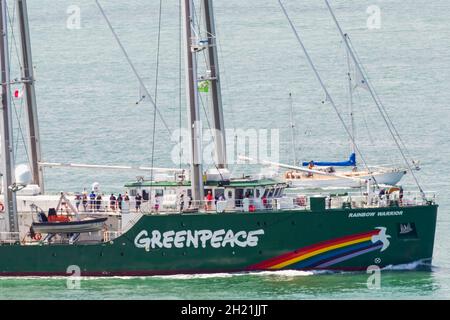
pixel 293 129
pixel 380 107
pixel 350 102
pixel 213 77
pixel 194 123
pixel 7 163
pixel 34 145
pixel 324 88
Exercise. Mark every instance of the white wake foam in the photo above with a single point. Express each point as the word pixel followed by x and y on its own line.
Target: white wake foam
pixel 408 266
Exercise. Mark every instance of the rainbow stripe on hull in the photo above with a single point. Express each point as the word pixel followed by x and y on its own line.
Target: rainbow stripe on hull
pixel 327 253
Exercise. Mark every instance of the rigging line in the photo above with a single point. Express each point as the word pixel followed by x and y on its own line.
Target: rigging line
pixel 224 75
pixel 372 140
pixel 391 127
pixel 358 66
pixel 379 100
pixel 358 98
pixel 212 135
pixel 200 22
pixel 21 134
pixel 12 22
pixel 328 96
pixel 350 98
pixel 180 76
pixel 18 116
pixel 195 21
pixel 156 95
pixel 198 32
pixel 133 68
pixel 293 131
pixel 197 27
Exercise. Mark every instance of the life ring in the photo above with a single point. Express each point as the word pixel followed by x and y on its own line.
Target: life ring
pixel 37 237
pixel 2 207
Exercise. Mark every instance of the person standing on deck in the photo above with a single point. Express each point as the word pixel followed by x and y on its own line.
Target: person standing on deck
pixel 85 201
pixel 92 200
pixel 400 193
pixel 310 167
pixel 209 199
pixel 78 201
pixel 157 202
pixel 126 198
pixel 138 200
pixel 119 202
pixel 264 200
pixel 181 202
pixel 112 202
pixel 99 202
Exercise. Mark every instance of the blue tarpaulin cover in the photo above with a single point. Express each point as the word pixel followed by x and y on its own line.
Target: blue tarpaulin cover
pixel 350 163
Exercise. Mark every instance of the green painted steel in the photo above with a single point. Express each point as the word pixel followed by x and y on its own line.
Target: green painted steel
pixel 317 203
pixel 283 232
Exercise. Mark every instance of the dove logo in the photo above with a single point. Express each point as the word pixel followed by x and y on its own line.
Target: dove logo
pixel 381 237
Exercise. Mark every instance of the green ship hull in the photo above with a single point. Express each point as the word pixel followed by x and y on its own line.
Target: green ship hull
pixel 344 239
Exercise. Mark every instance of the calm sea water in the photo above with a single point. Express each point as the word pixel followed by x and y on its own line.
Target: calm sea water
pixel 88 114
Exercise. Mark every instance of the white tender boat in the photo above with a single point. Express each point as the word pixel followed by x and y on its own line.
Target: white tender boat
pixel 83 226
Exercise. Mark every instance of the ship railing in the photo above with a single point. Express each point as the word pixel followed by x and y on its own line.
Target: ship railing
pixel 9 237
pixel 99 207
pixel 105 208
pixel 290 201
pixel 229 205
pixel 358 200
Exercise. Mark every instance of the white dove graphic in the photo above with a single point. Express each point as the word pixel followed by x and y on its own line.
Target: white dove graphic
pixel 383 237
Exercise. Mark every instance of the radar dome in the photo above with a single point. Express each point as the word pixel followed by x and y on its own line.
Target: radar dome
pixel 96 187
pixel 23 174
